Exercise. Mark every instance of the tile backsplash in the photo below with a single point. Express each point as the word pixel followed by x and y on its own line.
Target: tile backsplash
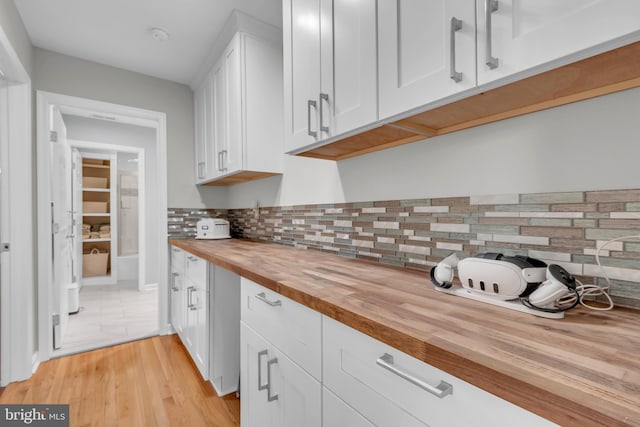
pixel 560 228
pixel 182 222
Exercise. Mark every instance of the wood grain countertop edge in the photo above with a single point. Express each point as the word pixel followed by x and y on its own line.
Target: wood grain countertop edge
pixel 543 402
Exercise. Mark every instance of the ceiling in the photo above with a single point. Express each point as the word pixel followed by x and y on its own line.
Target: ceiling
pixel 117 32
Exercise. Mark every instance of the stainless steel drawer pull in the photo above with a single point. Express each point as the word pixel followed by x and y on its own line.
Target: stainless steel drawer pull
pixel 456 25
pixel 490 6
pixel 260 385
pixel 270 398
pixel 441 390
pixel 263 297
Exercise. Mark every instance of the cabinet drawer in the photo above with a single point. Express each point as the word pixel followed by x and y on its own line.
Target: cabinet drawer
pixel 293 328
pixel 196 269
pixel 177 259
pixel 353 369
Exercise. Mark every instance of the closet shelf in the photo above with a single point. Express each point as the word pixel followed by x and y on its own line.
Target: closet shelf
pixel 105 239
pixel 89 165
pixel 97 190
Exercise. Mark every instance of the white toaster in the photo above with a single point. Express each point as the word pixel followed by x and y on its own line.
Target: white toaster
pixel 212 228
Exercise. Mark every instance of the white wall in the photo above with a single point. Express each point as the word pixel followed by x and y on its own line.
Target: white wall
pixel 12 25
pixel 67 75
pixel 100 131
pixel 590 145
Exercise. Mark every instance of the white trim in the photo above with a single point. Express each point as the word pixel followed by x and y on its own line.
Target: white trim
pixel 109 112
pixel 16 225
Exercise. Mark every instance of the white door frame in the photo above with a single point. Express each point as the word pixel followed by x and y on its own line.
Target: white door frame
pixel 17 308
pixel 142 258
pixel 102 111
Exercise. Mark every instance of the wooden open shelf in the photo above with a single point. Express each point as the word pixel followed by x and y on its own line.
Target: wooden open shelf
pixel 609 72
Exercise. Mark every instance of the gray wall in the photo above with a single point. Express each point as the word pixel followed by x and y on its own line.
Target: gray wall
pixel 590 145
pixel 67 75
pixel 11 23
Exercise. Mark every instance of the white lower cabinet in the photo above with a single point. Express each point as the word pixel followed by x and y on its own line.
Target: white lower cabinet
pixel 205 313
pixel 390 388
pixel 280 360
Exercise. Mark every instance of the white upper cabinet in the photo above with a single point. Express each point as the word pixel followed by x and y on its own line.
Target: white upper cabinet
pixel 330 68
pixel 516 35
pixel 238 111
pixel 426 51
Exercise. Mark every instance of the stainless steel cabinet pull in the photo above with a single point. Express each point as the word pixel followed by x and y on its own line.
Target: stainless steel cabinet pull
pixel 490 6
pixel 270 398
pixel 456 25
pixel 173 282
pixel 323 97
pixel 190 290
pixel 225 160
pixel 192 258
pixel 263 297
pixel 220 168
pixel 441 390
pixel 311 103
pixel 176 250
pixel 260 385
pixel 201 170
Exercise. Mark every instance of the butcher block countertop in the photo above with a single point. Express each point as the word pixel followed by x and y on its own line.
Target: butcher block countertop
pixel 582 370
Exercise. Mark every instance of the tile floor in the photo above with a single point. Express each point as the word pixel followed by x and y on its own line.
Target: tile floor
pixel 110 314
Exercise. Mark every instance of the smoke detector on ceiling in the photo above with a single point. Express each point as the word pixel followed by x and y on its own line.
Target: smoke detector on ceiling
pixel 159 34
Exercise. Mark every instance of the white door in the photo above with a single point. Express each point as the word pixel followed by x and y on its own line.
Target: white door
pixel 528 33
pixel 254 405
pixel 61 224
pixel 301 54
pixel 76 185
pixel 426 51
pixel 299 395
pixel 348 97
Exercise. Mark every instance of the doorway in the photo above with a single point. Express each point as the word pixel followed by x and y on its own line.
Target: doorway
pixel 108 295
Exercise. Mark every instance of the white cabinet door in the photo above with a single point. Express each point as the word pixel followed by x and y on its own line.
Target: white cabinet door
pixel 528 33
pixel 301 36
pixel 422 46
pixel 298 396
pixel 200 310
pixel 189 329
pixel 219 116
pixel 254 405
pixel 231 154
pixel 348 97
pixel 275 391
pixel 177 303
pixel 200 111
pixel 337 413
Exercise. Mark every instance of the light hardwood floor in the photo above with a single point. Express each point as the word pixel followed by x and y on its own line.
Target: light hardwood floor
pixel 151 382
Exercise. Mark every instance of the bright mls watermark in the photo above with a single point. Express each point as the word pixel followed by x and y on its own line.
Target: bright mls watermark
pixel 34 415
